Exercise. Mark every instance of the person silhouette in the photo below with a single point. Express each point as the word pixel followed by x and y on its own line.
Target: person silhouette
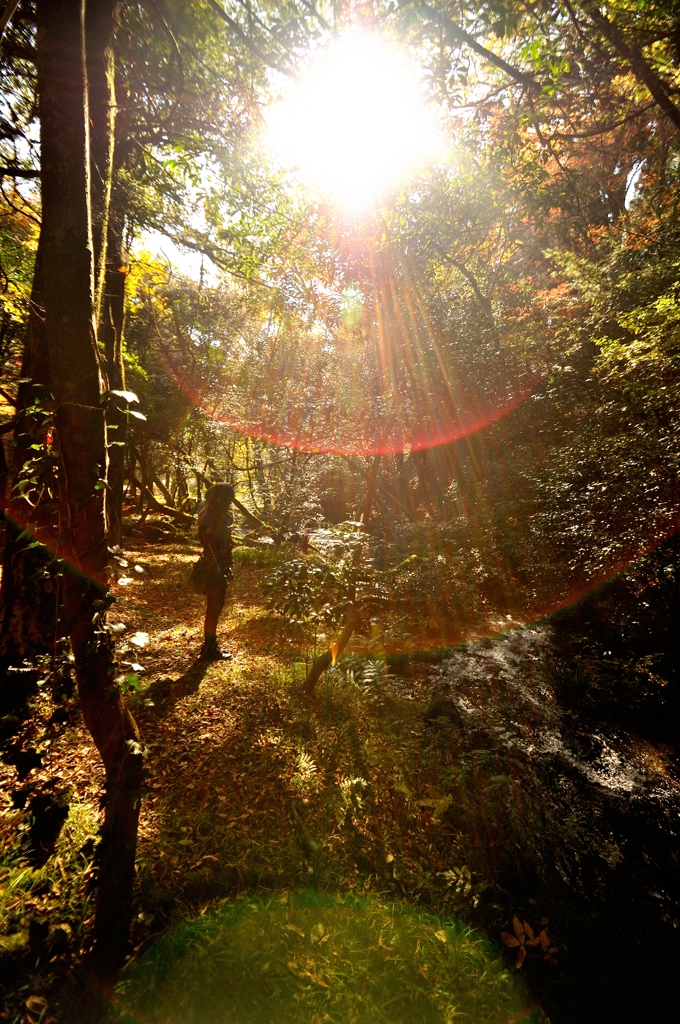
pixel 214 532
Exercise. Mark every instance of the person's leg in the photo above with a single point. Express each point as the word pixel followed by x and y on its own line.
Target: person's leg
pixel 214 606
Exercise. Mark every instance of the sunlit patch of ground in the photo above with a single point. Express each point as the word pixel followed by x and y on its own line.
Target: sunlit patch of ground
pixel 313 958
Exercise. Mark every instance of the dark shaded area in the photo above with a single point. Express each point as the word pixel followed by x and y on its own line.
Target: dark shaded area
pixel 620 649
pixel 23 760
pixel 48 812
pixel 163 693
pixel 588 739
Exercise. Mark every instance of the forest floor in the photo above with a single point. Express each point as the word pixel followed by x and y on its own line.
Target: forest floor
pixel 465 785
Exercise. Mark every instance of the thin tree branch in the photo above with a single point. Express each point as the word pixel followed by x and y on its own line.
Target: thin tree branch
pixel 459 36
pixel 19 172
pixel 312 10
pixel 8 398
pixel 166 21
pixel 632 53
pixel 482 299
pixel 237 30
pixel 6 15
pixel 605 129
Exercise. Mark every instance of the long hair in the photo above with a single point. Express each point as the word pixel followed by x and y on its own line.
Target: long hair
pixel 219 495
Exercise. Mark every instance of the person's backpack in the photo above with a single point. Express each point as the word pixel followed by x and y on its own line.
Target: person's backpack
pixel 198 581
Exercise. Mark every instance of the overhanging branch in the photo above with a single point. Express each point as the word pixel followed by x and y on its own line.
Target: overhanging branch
pixel 632 53
pixel 459 37
pixel 19 172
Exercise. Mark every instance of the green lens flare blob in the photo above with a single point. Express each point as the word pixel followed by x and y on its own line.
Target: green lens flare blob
pixel 306 957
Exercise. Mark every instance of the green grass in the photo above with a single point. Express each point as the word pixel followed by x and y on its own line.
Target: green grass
pixel 314 958
pixel 56 887
pixel 259 558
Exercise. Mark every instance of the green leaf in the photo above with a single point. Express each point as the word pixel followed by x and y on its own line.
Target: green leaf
pixel 127 396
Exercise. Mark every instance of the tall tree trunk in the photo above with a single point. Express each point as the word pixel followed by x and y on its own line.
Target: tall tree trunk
pixel 101 98
pixel 117 420
pixel 108 219
pixel 111 336
pixel 30 594
pixel 80 439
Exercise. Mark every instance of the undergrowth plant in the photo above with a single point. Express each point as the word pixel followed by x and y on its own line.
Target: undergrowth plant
pixel 310 957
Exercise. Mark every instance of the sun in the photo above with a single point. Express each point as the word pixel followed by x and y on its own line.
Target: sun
pixel 355 124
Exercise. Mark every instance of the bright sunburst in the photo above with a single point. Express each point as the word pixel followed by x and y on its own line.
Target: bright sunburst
pixel 355 124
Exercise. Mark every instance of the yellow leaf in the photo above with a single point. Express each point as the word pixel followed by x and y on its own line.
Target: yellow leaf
pixel 36 1005
pixel 441 935
pixel 509 940
pixel 518 929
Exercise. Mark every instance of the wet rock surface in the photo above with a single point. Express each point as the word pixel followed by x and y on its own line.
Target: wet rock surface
pixel 597 824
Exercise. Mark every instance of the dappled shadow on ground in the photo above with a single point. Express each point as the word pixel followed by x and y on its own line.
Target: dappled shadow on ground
pixel 163 693
pixel 490 783
pixel 265 632
pixel 464 784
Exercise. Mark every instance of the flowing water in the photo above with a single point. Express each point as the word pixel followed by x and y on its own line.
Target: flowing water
pixel 603 851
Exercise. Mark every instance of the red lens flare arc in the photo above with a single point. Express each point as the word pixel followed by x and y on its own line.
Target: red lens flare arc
pixel 400 441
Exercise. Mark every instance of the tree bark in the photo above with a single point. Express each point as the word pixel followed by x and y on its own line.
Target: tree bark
pixel 324 660
pixel 111 336
pixel 101 97
pixel 158 506
pixel 107 236
pixel 80 438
